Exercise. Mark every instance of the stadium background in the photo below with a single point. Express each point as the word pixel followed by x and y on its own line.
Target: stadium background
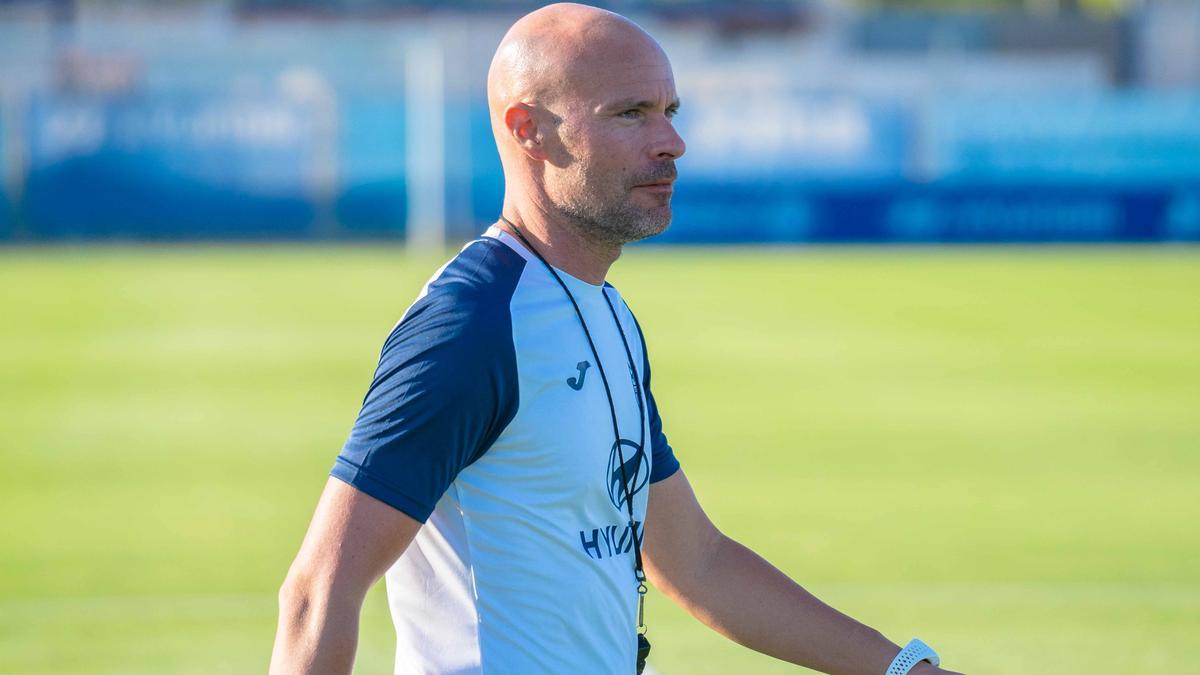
pixel 211 214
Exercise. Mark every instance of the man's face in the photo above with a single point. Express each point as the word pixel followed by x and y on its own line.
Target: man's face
pixel 618 133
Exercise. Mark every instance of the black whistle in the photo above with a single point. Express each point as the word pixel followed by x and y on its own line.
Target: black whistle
pixel 643 652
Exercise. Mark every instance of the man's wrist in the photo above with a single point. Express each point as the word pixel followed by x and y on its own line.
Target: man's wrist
pixel 916 658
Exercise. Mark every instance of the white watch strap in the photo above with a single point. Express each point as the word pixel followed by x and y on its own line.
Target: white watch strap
pixel 908 657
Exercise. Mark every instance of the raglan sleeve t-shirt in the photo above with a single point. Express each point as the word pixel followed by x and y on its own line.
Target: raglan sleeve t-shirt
pixel 482 423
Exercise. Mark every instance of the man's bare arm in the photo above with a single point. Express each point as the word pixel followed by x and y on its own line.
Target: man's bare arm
pixel 352 540
pixel 740 595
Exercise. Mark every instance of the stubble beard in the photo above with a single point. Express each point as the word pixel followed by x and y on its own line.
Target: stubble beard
pixel 608 213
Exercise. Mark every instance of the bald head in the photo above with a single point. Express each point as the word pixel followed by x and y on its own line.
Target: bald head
pixel 560 50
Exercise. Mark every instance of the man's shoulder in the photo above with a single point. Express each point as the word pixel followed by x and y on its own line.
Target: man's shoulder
pixel 484 269
pixel 470 294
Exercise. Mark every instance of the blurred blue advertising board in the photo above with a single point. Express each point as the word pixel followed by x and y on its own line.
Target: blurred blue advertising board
pixel 907 213
pixel 1105 167
pixel 370 191
pixel 1125 138
pixel 793 167
pixel 6 206
pixel 812 137
pixel 168 166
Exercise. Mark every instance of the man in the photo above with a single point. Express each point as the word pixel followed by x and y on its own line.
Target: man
pixel 503 470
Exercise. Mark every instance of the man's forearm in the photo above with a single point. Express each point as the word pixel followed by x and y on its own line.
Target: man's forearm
pixel 745 598
pixel 317 633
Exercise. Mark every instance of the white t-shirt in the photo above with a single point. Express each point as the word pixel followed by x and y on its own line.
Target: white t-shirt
pixel 488 421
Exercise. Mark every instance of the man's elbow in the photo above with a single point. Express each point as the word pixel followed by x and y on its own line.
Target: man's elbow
pixel 295 600
pixel 684 574
pixel 307 598
pixel 298 633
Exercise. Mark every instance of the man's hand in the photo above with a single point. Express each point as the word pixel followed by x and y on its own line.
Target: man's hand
pixel 351 542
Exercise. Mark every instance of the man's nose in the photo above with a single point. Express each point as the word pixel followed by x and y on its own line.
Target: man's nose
pixel 669 144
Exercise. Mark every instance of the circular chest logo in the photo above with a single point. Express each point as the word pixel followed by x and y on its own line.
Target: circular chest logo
pixel 632 473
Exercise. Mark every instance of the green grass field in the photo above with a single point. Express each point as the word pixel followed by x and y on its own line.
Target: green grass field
pixel 997 450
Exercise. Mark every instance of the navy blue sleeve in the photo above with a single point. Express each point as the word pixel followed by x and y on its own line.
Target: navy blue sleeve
pixel 445 387
pixel 664 463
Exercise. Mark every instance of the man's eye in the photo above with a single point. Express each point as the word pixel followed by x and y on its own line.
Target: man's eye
pixel 632 114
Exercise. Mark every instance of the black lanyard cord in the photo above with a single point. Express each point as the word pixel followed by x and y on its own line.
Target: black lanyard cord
pixel 638 572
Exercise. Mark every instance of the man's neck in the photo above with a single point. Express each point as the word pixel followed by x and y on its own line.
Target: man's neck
pixel 563 245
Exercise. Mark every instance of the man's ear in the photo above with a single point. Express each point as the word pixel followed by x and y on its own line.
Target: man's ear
pixel 520 119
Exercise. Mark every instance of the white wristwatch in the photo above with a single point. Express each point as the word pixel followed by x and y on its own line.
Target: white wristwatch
pixel 908 657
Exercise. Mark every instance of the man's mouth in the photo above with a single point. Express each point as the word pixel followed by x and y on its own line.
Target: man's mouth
pixel 657 186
